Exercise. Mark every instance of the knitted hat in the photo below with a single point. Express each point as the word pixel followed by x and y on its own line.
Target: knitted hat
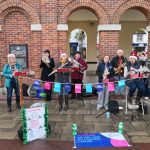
pixel 133 55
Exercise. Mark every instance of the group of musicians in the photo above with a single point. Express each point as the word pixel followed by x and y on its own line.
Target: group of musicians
pixel 66 68
pixel 136 69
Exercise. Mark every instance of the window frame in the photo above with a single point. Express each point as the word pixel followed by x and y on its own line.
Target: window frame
pixel 26 49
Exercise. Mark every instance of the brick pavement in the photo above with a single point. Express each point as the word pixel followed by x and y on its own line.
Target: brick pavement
pixel 85 117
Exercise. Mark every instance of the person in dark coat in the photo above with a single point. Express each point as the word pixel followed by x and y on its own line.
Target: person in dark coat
pixel 47 65
pixel 105 73
pixel 118 63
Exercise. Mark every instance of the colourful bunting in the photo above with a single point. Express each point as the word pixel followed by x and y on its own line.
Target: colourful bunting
pixel 36 84
pixel 111 86
pixel 57 87
pixel 77 88
pixel 68 87
pixel 121 83
pixel 47 85
pixel 99 87
pixel 89 88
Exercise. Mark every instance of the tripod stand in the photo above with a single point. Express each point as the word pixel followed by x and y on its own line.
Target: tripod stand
pixel 103 113
pixel 77 96
pixel 111 111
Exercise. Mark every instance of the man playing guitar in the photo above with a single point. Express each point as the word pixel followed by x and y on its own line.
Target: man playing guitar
pixel 77 75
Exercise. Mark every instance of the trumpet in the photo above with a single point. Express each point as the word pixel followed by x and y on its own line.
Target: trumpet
pixel 71 59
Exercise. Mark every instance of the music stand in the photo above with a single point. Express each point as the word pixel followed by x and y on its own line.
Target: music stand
pixel 81 98
pixel 64 70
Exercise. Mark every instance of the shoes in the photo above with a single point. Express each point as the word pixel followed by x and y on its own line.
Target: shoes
pixel 106 107
pixel 146 98
pixel 99 107
pixel 131 106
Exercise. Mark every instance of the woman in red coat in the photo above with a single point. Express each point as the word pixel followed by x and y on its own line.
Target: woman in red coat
pixel 77 76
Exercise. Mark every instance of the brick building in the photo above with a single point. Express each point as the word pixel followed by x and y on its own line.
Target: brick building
pixel 35 25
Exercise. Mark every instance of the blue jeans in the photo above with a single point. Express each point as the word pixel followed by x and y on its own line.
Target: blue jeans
pixel 13 85
pixel 136 84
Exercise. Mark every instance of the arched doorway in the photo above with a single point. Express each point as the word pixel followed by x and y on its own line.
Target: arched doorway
pixel 131 22
pixel 78 42
pixel 87 21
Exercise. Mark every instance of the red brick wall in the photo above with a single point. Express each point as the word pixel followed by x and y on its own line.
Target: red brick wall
pixel 108 43
pixel 16 30
pixel 16 16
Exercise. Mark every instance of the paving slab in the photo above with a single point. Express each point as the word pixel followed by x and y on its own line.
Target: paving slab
pixel 75 118
pixel 140 139
pixel 139 125
pixel 8 134
pixel 85 117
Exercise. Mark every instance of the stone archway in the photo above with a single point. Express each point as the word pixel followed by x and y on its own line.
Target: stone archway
pixel 142 6
pixel 93 6
pixel 15 5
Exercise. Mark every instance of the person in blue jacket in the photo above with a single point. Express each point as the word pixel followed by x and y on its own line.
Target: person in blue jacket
pixel 11 81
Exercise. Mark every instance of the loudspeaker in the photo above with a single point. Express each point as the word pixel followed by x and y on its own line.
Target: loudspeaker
pixel 113 107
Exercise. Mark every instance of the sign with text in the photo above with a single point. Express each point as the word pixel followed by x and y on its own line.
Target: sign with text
pixel 93 140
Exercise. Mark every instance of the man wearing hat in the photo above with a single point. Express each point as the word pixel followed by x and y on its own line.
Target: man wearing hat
pixel 118 63
pixel 77 76
pixel 132 72
pixel 11 81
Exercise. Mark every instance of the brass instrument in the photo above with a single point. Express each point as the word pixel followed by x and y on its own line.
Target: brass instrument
pixel 120 68
pixel 71 59
pixel 77 64
pixel 46 60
